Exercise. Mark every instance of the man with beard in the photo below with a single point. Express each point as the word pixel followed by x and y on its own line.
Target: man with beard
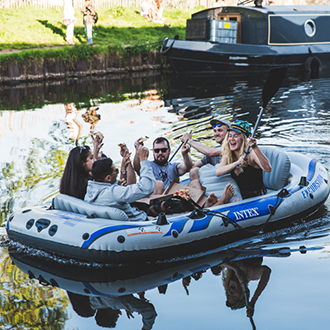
pixel 164 171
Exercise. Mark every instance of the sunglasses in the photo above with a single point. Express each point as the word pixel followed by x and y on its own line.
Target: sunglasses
pixel 163 150
pixel 81 148
pixel 219 125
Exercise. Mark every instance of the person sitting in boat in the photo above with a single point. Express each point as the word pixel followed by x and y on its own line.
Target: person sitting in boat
pixel 246 172
pixel 212 154
pixel 164 171
pixel 103 190
pixel 78 169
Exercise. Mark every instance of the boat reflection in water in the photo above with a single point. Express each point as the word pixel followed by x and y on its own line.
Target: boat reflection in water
pixel 104 293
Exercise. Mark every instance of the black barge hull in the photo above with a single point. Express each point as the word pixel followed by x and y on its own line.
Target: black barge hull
pixel 205 58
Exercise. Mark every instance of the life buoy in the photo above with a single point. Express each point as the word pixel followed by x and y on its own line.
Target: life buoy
pixel 312 67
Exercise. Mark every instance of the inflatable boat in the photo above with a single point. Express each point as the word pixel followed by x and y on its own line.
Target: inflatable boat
pixel 297 186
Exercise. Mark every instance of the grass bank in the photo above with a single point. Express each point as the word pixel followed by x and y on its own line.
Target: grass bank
pixel 31 33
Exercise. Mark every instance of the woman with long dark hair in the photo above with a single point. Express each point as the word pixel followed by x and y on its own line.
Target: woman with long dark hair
pixel 77 172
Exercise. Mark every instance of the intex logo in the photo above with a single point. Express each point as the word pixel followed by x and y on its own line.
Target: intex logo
pixel 249 213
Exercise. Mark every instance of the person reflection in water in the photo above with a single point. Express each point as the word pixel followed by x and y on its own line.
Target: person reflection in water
pixel 91 117
pixel 236 276
pixel 71 113
pixel 106 310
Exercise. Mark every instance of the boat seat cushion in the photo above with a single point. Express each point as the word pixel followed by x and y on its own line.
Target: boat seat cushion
pixel 215 184
pixel 280 162
pixel 71 204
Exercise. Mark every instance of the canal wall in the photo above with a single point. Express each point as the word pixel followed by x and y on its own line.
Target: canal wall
pixel 98 64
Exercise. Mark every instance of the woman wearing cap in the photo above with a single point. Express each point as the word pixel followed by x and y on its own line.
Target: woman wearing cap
pixel 246 172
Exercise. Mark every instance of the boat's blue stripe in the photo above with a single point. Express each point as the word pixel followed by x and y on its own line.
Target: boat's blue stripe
pixel 311 169
pixel 177 225
pixel 252 209
pixel 200 224
pixel 104 231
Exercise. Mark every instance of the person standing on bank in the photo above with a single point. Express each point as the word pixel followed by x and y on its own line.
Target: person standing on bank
pixel 69 21
pixel 89 14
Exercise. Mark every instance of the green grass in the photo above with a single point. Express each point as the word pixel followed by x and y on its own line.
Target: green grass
pixel 30 28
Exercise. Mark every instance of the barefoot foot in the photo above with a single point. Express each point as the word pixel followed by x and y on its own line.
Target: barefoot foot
pixel 227 194
pixel 211 200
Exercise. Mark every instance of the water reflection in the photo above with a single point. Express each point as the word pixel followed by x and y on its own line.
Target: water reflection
pixel 106 294
pixel 35 144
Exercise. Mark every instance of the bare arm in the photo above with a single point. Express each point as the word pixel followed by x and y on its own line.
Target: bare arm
pixel 265 275
pixel 187 163
pixel 97 145
pixel 126 171
pixel 202 148
pixel 131 178
pixel 136 159
pixel 224 167
pixel 258 157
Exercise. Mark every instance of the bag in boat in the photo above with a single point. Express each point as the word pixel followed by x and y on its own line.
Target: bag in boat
pixel 170 205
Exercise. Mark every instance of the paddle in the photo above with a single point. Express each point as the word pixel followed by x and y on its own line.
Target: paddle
pixel 178 148
pixel 272 84
pixel 246 302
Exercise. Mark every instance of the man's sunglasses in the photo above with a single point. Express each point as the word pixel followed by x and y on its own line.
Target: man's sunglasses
pixel 219 125
pixel 163 150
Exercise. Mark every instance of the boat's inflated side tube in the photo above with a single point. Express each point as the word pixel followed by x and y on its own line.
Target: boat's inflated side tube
pixel 71 204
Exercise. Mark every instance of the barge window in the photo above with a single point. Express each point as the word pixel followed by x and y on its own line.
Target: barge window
pixel 310 28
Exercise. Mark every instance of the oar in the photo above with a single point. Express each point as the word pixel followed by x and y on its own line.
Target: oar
pixel 178 148
pixel 246 302
pixel 272 84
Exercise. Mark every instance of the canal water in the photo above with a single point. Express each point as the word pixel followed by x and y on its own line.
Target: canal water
pixel 36 134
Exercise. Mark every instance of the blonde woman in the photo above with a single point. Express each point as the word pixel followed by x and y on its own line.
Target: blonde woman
pixel 246 172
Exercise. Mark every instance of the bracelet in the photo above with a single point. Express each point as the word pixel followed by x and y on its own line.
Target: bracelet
pixel 190 142
pixel 254 146
pixel 235 164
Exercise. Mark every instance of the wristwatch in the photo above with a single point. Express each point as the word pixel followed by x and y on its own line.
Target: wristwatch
pixel 124 172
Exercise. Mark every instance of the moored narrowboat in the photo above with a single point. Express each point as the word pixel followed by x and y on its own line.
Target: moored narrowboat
pixel 240 39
